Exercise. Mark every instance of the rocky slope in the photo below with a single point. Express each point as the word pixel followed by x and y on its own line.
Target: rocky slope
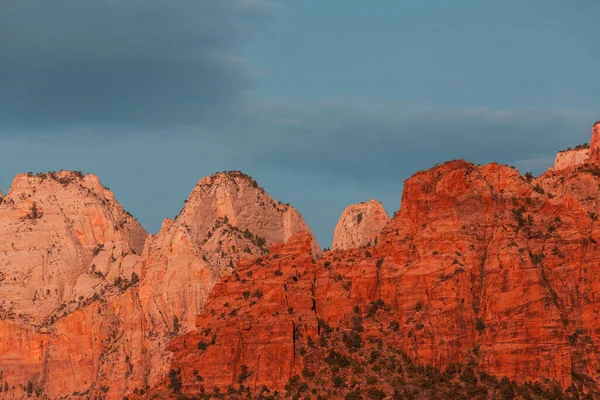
pixel 359 225
pixel 114 342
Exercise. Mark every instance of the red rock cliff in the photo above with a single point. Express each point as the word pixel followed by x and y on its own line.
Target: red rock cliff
pixel 480 265
pixel 114 340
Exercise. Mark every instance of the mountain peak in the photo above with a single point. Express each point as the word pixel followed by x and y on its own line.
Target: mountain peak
pixel 359 225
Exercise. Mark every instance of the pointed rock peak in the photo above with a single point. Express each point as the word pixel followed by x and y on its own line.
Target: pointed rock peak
pixel 359 225
pixel 234 198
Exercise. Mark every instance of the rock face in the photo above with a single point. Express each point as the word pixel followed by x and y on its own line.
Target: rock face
pixel 480 266
pixel 65 244
pixel 580 154
pixel 115 341
pixel 595 143
pixel 227 217
pixel 571 158
pixel 359 225
pixel 482 273
pixel 63 240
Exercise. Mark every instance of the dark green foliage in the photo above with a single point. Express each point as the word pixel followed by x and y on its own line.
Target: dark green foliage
pixel 376 394
pixel 337 359
pixel 176 324
pixel 479 325
pixel 354 395
pixel 352 340
pixel 244 374
pixel 374 306
pixel 175 380
pixel 507 392
pixel 134 278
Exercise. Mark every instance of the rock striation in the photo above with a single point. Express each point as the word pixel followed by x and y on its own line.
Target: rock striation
pixel 359 225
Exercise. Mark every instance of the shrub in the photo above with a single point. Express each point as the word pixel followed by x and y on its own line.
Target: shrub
pixel 352 340
pixel 244 374
pixel 354 395
pixel 308 373
pixel 376 394
pixel 175 380
pixel 375 305
pixel 479 325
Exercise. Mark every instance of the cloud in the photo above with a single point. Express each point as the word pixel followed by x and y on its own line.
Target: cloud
pixel 371 144
pixel 123 62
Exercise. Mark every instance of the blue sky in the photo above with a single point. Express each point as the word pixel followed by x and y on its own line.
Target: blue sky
pixel 325 103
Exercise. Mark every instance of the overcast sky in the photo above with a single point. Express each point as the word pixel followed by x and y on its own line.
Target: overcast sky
pixel 324 102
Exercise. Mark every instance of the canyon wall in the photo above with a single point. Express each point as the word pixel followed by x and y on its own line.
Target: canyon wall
pixel 480 266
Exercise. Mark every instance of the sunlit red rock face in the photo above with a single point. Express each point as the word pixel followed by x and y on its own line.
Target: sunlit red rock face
pixel 227 217
pixel 359 225
pixel 114 342
pixel 479 264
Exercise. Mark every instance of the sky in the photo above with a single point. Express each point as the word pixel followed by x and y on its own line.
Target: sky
pixel 325 103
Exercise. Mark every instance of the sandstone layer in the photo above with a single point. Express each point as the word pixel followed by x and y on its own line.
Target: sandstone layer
pixel 359 225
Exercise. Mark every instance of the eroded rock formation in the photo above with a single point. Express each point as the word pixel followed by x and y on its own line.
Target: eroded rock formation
pixel 63 240
pixel 359 225
pixel 480 265
pixel 113 341
pixel 580 154
pixel 572 158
